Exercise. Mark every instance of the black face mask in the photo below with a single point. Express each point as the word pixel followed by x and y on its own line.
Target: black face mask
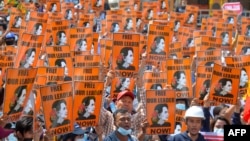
pixel 28 139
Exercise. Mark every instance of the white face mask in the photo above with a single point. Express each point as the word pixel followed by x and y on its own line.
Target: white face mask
pixel 219 130
pixel 181 106
pixel 124 132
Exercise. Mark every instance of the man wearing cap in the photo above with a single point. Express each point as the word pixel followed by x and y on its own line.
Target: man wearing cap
pixel 78 134
pixel 193 118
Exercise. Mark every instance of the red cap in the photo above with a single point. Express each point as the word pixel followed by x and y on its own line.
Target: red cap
pixel 125 93
pixel 5 132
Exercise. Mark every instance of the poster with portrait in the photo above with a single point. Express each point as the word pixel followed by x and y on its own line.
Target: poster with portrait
pixel 86 20
pixel 87 102
pixel 224 84
pixel 68 10
pixel 37 22
pixel 120 84
pixel 29 49
pixel 180 124
pixel 80 39
pixel 163 8
pixel 87 74
pixel 6 61
pixel 58 102
pixel 56 16
pixel 211 25
pixel 178 19
pixel 245 26
pixel 200 33
pixel 108 53
pixel 216 13
pixel 126 5
pixel 225 32
pixel 158 111
pixel 191 15
pixel 60 32
pixel 241 62
pixel 175 50
pixel 54 75
pixel 19 83
pixel 243 47
pixel 179 77
pixel 125 54
pixel 98 5
pixel 149 11
pixel 114 23
pixel 203 81
pixel 172 37
pixel 158 39
pixel 208 57
pixel 155 80
pixel 53 6
pixel 231 17
pixel 9 50
pixel 87 61
pixel 210 43
pixel 59 56
pixel 204 24
pixel 15 20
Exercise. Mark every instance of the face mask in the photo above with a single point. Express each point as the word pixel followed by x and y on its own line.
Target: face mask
pixel 12 137
pixel 181 106
pixel 124 132
pixel 219 130
pixel 1 33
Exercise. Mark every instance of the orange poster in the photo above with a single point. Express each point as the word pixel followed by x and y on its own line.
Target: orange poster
pixel 175 50
pixel 125 54
pixel 87 74
pixel 158 108
pixel 5 62
pixel 86 20
pixel 210 43
pixel 15 20
pixel 191 16
pixel 216 13
pixel 245 26
pixel 211 24
pixel 60 56
pixel 37 23
pixel 199 33
pixel 60 32
pixel 95 43
pixel 29 50
pixel 225 32
pixel 128 23
pixel 102 49
pixel 87 61
pixel 203 81
pixel 108 53
pixel 58 102
pixel 204 24
pixel 243 47
pixel 155 80
pixel 9 50
pixel 224 84
pixel 54 75
pixel 120 84
pixel 68 11
pixel 19 83
pixel 57 16
pixel 158 39
pixel 179 77
pixel 208 57
pixel 143 45
pixel 241 62
pixel 231 17
pixel 87 102
pixel 80 39
pixel 98 5
pixel 163 9
pixel 180 124
pixel 114 23
pixel 53 6
pixel 178 19
pixel 149 10
pixel 126 5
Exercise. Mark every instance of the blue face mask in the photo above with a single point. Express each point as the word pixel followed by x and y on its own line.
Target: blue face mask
pixel 219 130
pixel 181 106
pixel 124 132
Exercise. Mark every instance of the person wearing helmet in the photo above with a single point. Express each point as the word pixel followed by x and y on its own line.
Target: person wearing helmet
pixel 194 117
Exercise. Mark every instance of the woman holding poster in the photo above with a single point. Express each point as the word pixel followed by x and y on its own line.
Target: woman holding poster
pixel 243 78
pixel 87 108
pixel 16 105
pixel 125 59
pixel 122 85
pixel 59 113
pixel 158 46
pixel 224 88
pixel 160 116
pixel 29 58
pixel 179 81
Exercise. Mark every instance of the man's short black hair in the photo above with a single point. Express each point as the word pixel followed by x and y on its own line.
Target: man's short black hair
pixel 24 125
pixel 122 111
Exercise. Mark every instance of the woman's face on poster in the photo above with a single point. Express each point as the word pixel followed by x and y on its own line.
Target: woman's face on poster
pixel 177 26
pixel 91 107
pixel 83 47
pixel 18 22
pixel 164 114
pixel 243 77
pixel 151 14
pixel 163 4
pixel 27 17
pixel 161 45
pixel 130 24
pixel 177 129
pixel 63 39
pixel 191 18
pixel 158 88
pixel 31 58
pixel 70 15
pixel 39 30
pixel 182 81
pixel 63 112
pixel 191 44
pixel 126 83
pixel 129 58
pixel 226 38
pixel 228 87
pixel 136 7
pixel 116 28
pixel 22 97
pixel 63 64
pixel 54 8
